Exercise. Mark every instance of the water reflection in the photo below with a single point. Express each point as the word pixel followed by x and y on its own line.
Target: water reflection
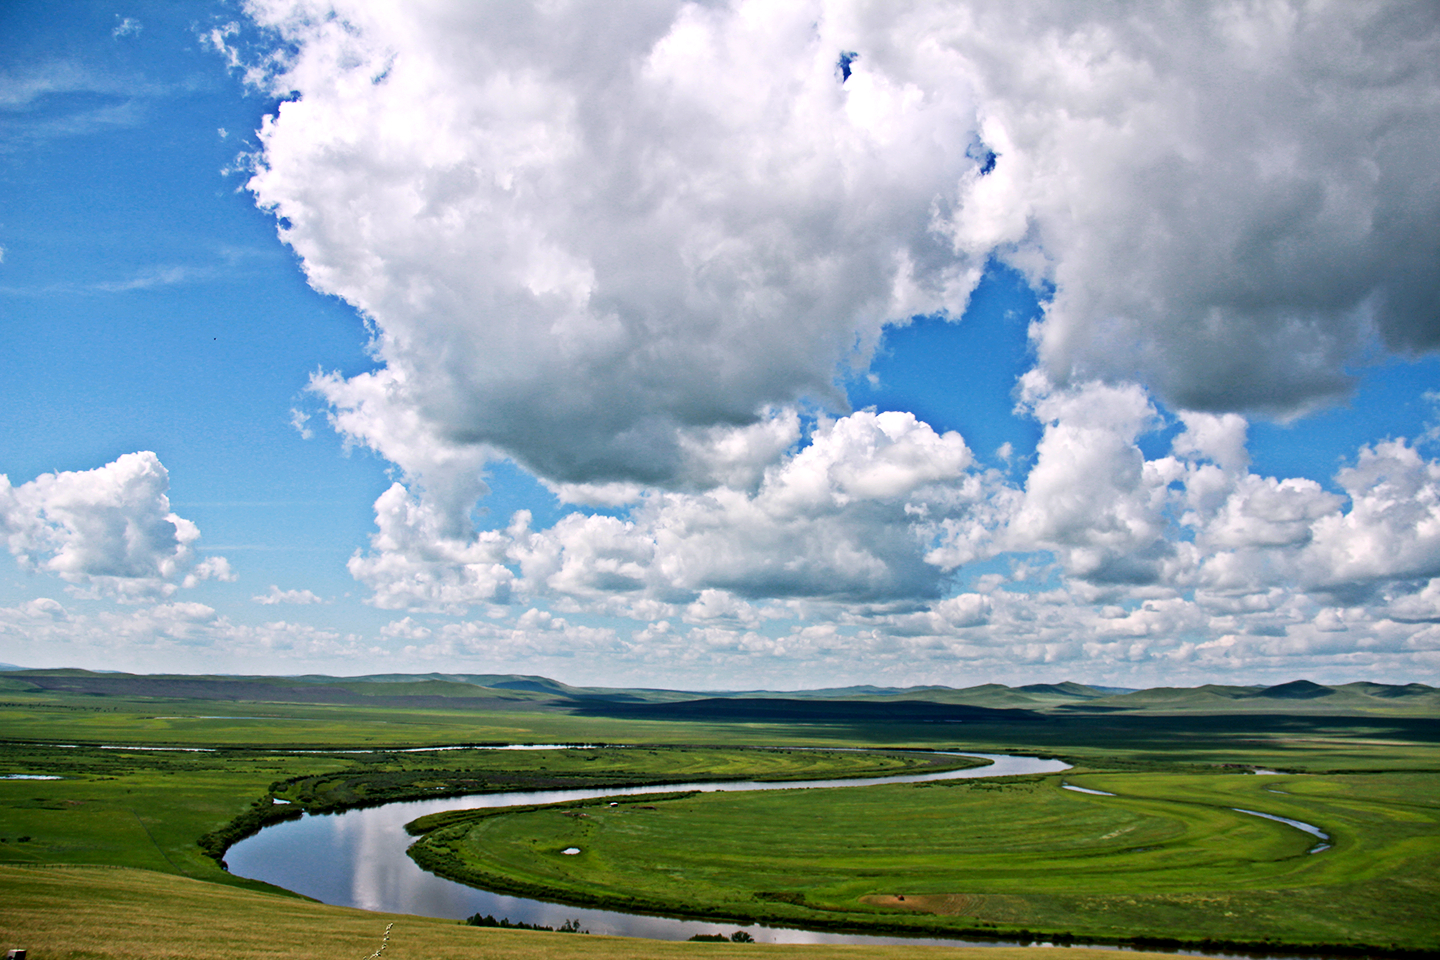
pixel 358 859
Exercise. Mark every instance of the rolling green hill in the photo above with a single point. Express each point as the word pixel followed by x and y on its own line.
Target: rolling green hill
pixel 923 704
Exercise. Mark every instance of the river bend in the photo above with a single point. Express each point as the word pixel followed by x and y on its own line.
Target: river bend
pixel 357 859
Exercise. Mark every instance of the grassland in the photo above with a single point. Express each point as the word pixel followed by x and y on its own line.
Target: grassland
pixel 1167 857
pixel 177 810
pixel 1363 767
pixel 83 913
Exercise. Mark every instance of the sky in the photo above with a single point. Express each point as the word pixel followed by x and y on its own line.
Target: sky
pixel 724 345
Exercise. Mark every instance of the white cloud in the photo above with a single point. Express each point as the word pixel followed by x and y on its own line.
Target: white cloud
pixel 535 633
pixel 32 96
pixel 417 563
pixel 276 595
pixel 1157 560
pixel 588 236
pixel 1220 439
pixel 1092 497
pixel 623 247
pixel 127 27
pixel 406 629
pixel 179 635
pixel 1392 530
pixel 19 90
pixel 850 516
pixel 109 529
pixel 371 409
pixel 299 419
pixel 1230 215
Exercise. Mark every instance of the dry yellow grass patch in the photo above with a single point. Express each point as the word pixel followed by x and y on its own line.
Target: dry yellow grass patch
pixel 99 913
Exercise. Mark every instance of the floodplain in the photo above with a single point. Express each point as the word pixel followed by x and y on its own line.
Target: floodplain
pixel 157 776
pixel 1169 855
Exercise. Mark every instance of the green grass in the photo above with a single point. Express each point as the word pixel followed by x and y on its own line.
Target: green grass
pixel 1166 858
pixel 133 808
pixel 1214 873
pixel 150 809
pixel 84 913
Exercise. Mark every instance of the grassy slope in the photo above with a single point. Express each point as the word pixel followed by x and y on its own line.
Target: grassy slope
pixel 132 808
pixel 82 913
pixel 1166 858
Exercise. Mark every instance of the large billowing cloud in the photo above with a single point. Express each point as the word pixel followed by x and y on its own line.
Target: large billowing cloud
pixel 849 517
pixel 588 235
pixel 1232 200
pixel 585 232
pixel 624 245
pixel 109 530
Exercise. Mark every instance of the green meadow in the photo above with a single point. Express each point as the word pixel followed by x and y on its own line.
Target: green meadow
pixel 83 913
pixel 127 832
pixel 1167 857
pixel 176 810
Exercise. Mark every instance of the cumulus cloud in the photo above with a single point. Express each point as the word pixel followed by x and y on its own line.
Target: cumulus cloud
pixel 590 239
pixel 182 635
pixel 586 237
pixel 1392 530
pixel 535 633
pixel 110 529
pixel 628 248
pixel 1156 566
pixel 1091 496
pixel 850 516
pixel 1230 215
pixel 416 562
pixel 276 595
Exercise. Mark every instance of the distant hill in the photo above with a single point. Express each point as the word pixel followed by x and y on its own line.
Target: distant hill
pixel 1067 689
pixel 1296 690
pixel 990 702
pixel 793 710
pixel 1297 696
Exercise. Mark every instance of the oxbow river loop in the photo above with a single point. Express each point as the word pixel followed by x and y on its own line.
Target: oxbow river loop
pixel 357 859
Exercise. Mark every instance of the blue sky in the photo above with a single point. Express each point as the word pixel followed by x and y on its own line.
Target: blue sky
pixel 642 346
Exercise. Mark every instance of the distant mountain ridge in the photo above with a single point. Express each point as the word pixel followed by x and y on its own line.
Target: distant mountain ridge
pixel 991 702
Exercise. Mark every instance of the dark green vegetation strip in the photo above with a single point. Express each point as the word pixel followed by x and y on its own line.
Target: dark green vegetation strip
pixel 1166 858
pixel 387 777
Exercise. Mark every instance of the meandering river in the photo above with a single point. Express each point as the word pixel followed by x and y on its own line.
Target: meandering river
pixel 357 859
